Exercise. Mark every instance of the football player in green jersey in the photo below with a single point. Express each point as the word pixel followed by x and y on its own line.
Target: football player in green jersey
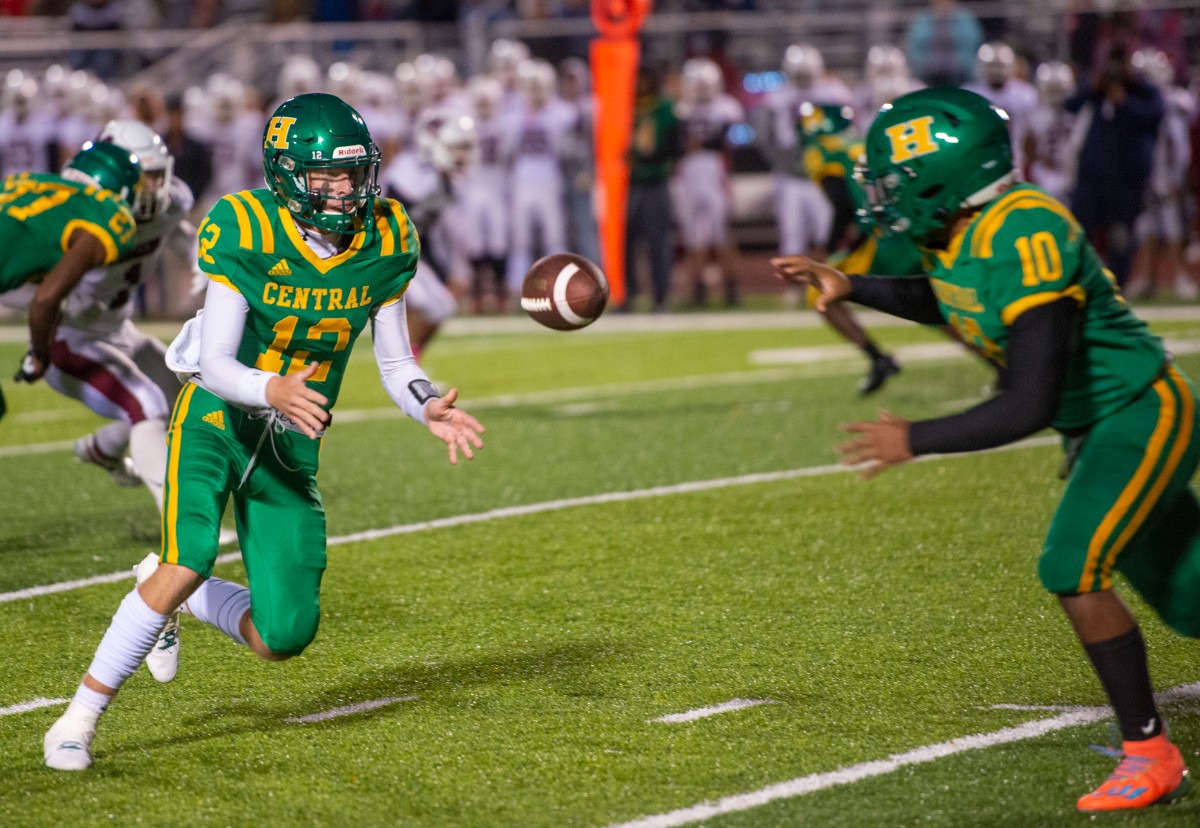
pixel 55 228
pixel 1012 271
pixel 831 151
pixel 296 271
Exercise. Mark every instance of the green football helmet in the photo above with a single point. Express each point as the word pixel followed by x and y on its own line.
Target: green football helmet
pixel 317 132
pixel 931 153
pixel 105 165
pixel 825 118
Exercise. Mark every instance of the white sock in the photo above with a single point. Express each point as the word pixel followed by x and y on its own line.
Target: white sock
pixel 130 636
pixel 112 438
pixel 220 604
pixel 88 704
pixel 148 448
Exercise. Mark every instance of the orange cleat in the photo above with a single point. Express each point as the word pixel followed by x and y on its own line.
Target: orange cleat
pixel 1150 772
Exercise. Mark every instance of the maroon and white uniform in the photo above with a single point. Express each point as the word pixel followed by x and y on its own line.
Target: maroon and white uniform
pixel 701 190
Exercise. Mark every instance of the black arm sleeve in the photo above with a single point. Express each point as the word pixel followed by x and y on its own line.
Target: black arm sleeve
pixel 1040 346
pixel 906 297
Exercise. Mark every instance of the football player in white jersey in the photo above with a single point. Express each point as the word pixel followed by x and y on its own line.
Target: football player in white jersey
pixel 701 189
pixel 537 132
pixel 425 179
pixel 802 211
pixel 233 133
pixel 1162 227
pixel 26 129
pixel 99 357
pixel 997 80
pixel 1049 132
pixel 486 197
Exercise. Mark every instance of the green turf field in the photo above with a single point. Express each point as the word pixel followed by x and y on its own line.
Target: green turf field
pixel 656 525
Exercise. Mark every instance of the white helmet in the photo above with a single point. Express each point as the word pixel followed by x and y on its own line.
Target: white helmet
pixel 154 194
pixel 298 75
pixel 885 59
pixel 504 57
pixel 1055 82
pixel 995 63
pixel 804 65
pixel 1154 65
pixel 701 80
pixel 485 93
pixel 447 140
pixel 538 80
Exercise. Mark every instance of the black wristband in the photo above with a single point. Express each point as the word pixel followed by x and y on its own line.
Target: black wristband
pixel 423 390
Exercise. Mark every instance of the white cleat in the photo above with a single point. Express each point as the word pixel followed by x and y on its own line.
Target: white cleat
pixel 68 743
pixel 119 468
pixel 163 660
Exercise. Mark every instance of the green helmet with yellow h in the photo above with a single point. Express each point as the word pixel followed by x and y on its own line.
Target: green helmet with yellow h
pixel 932 153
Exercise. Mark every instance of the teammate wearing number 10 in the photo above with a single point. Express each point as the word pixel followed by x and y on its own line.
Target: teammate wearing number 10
pixel 1010 268
pixel 296 271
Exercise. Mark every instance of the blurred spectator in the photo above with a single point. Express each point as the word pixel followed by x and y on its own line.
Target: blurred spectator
pixel 149 106
pixel 96 16
pixel 1120 114
pixel 193 161
pixel 656 145
pixel 941 44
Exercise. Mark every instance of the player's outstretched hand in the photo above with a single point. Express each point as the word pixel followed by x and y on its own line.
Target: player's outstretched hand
pixel 453 426
pixel 291 395
pixel 831 284
pixel 882 444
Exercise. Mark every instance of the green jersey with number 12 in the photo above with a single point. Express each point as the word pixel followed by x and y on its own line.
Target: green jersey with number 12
pixel 303 308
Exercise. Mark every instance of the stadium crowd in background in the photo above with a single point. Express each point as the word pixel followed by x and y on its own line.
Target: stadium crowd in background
pixel 525 190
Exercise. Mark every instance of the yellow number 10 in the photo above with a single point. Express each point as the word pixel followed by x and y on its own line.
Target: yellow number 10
pixel 1040 259
pixel 285 329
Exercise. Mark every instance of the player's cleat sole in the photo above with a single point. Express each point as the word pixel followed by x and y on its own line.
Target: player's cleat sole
pixel 1150 773
pixel 86 451
pixel 163 660
pixel 68 745
pixel 882 370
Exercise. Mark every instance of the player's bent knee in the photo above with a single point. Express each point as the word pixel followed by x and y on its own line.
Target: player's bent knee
pixel 285 640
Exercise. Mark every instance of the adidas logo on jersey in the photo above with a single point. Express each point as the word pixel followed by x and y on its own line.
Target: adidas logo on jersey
pixel 280 269
pixel 215 418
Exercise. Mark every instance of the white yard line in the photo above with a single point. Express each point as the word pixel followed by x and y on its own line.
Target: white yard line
pixel 33 704
pixel 350 709
pixel 532 509
pixel 704 712
pixel 804 785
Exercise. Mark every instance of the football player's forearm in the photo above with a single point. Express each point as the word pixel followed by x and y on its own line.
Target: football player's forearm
pixel 221 330
pixel 403 379
pixel 906 297
pixel 1040 348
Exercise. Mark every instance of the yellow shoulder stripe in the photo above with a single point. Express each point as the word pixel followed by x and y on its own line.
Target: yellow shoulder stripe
pixel 387 240
pixel 1012 311
pixel 243 219
pixel 989 224
pixel 402 222
pixel 264 223
pixel 859 260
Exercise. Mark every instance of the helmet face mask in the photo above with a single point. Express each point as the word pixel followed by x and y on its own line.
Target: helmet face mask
pixel 154 195
pixel 930 154
pixel 320 162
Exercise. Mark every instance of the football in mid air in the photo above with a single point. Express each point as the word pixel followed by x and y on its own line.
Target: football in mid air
pixel 564 291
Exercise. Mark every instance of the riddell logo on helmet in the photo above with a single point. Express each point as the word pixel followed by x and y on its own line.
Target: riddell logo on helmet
pixel 350 152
